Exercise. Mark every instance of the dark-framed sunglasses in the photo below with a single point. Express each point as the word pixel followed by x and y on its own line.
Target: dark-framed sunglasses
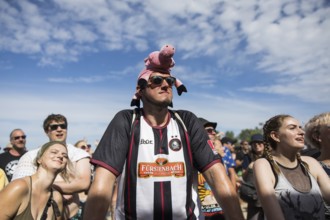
pixel 18 137
pixel 158 80
pixel 210 130
pixel 54 127
pixel 84 147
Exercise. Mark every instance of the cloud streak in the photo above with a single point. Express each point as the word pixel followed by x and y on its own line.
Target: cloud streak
pixel 233 50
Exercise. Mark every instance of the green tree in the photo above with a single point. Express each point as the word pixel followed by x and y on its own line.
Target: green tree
pixel 247 133
pixel 230 134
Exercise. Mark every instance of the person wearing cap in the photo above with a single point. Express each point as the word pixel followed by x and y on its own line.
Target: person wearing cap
pixel 154 153
pixel 13 152
pixel 254 208
pixel 209 205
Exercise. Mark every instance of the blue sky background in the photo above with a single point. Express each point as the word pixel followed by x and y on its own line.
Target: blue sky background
pixel 241 61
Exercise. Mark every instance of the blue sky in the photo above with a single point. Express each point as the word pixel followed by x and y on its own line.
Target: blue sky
pixel 241 61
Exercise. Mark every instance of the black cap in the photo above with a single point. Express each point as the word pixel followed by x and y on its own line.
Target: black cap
pixel 226 140
pixel 206 123
pixel 257 138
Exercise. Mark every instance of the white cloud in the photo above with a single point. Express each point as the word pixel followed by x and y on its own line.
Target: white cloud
pixel 285 43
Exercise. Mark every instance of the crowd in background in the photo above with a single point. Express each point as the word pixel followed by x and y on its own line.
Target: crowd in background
pixel 238 156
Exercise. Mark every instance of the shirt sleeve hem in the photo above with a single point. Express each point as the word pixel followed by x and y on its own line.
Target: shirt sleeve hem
pixel 106 166
pixel 210 164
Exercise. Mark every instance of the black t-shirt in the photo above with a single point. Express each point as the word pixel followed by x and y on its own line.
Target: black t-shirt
pixel 8 163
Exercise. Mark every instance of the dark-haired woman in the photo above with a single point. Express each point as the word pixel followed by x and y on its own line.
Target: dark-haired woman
pixel 32 197
pixel 289 186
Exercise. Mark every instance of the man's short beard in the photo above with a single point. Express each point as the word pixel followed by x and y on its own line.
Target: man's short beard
pixel 162 104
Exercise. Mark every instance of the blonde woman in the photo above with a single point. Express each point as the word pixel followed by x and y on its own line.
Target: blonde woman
pixel 318 136
pixel 289 186
pixel 33 197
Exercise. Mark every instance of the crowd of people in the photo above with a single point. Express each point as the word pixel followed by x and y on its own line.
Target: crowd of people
pixel 156 163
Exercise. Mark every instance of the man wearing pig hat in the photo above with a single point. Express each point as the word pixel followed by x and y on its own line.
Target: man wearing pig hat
pixel 154 154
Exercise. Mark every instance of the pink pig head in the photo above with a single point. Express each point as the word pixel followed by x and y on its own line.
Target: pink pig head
pixel 161 60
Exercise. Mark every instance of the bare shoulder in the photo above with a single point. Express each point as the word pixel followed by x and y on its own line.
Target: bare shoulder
pixel 262 167
pixel 14 195
pixel 19 187
pixel 309 160
pixel 261 163
pixel 314 166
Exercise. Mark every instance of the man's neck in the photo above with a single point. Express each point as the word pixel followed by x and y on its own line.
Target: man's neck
pixel 16 152
pixel 156 117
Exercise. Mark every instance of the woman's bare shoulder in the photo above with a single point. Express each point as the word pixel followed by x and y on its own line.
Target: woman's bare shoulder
pixel 261 162
pixel 309 159
pixel 16 191
pixel 19 186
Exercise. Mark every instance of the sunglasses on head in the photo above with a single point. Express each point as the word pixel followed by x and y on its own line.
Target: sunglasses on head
pixel 158 80
pixel 18 137
pixel 54 127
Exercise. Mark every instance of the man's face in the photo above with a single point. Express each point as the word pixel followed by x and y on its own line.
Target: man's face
pixel 57 131
pixel 158 91
pixel 245 146
pixel 211 132
pixel 18 139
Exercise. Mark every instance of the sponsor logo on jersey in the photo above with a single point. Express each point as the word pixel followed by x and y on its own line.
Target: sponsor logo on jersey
pixel 161 168
pixel 143 141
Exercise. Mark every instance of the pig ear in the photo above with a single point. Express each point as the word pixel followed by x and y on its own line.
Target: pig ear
pixel 181 89
pixel 135 102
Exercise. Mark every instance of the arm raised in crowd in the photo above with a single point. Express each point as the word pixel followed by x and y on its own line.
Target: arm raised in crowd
pixel 79 181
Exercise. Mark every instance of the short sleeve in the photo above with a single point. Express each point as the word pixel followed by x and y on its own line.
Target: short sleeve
pixel 201 146
pixel 25 166
pixel 112 149
pixel 76 154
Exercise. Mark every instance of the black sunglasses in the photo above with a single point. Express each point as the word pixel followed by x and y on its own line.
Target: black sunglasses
pixel 54 127
pixel 158 80
pixel 18 137
pixel 210 130
pixel 84 147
